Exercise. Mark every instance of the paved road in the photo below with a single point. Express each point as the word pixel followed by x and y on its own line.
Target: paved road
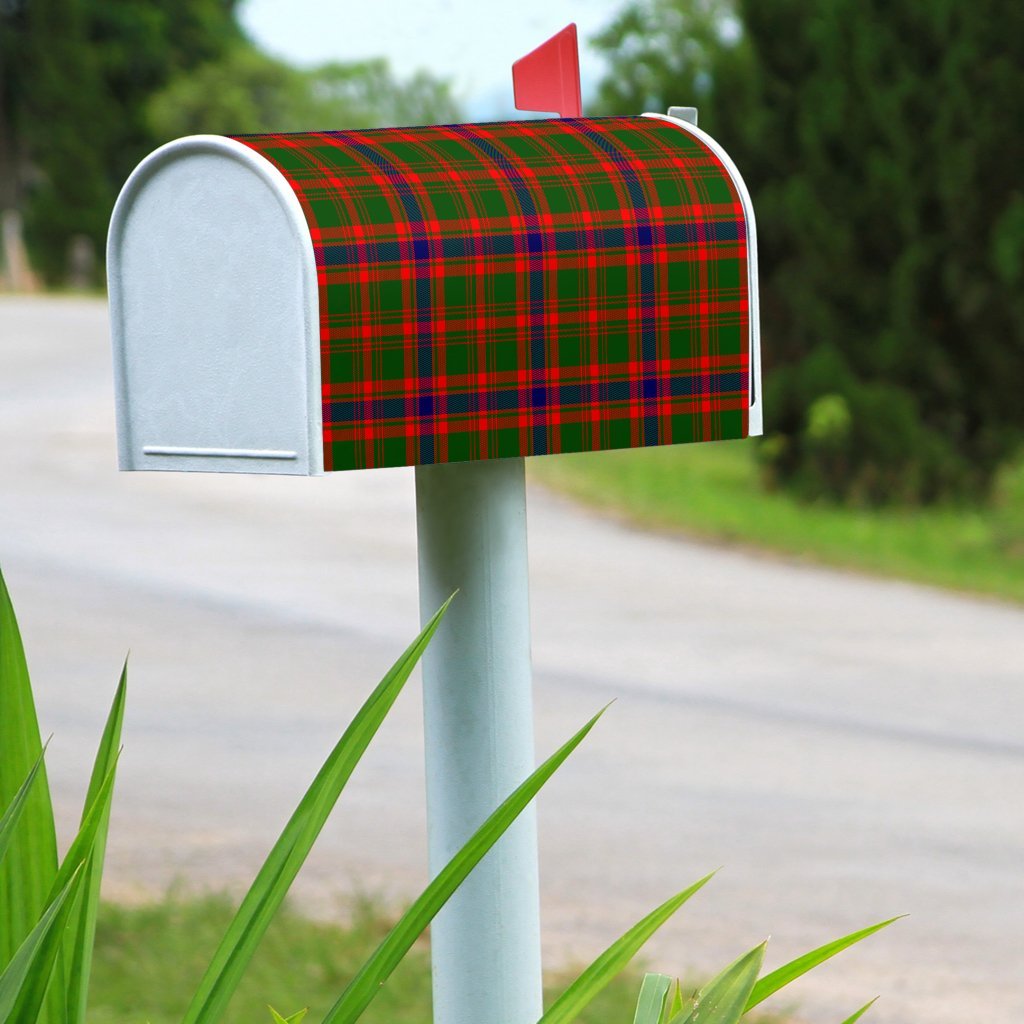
pixel 846 748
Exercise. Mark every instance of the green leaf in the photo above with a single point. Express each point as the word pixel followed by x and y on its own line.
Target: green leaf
pixel 73 865
pixel 771 983
pixel 82 931
pixel 17 805
pixel 723 1000
pixel 372 975
pixel 24 981
pixel 295 1018
pixel 569 1004
pixel 853 1018
pixel 675 1006
pixel 30 866
pixel 282 864
pixel 651 1004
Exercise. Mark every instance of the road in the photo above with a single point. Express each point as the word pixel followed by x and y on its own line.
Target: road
pixel 845 748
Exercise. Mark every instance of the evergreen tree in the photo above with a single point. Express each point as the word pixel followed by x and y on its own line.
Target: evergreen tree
pixel 881 142
pixel 88 87
pixel 74 84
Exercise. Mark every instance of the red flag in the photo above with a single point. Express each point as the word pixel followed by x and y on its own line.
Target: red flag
pixel 548 78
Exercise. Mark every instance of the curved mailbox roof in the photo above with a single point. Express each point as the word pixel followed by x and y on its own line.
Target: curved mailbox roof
pixel 522 288
pixel 482 290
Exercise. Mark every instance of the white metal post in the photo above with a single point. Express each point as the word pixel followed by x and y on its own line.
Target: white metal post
pixel 478 720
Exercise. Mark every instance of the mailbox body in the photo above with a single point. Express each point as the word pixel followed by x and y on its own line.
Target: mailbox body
pixel 301 303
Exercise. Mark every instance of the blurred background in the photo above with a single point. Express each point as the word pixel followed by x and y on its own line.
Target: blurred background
pixel 877 141
pixel 879 722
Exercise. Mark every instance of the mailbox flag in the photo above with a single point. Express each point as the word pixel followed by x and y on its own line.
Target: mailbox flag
pixel 548 78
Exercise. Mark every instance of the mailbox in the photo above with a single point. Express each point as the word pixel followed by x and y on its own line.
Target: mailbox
pixel 295 303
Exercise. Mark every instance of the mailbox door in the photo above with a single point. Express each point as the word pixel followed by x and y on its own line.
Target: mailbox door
pixel 215 315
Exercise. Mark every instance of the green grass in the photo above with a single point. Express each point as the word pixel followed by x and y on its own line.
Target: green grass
pixel 713 491
pixel 149 958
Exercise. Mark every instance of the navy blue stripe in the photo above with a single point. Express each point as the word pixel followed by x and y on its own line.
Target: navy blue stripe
pixel 424 306
pixel 643 239
pixel 446 403
pixel 535 276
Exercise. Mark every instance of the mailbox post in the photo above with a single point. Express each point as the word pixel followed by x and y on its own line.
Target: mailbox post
pixel 453 298
pixel 478 722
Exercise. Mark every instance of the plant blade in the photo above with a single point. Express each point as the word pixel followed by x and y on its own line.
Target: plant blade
pixel 11 816
pixel 24 980
pixel 73 866
pixel 28 870
pixel 723 1000
pixel 295 1018
pixel 82 932
pixel 675 1006
pixel 782 976
pixel 854 1017
pixel 651 1002
pixel 372 975
pixel 595 977
pixel 282 864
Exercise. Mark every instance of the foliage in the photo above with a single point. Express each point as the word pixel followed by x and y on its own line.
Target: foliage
pixel 890 218
pixel 48 915
pixel 89 87
pixel 736 990
pixel 76 77
pixel 248 91
pixel 150 956
pixel 730 995
pixel 48 909
pixel 1008 510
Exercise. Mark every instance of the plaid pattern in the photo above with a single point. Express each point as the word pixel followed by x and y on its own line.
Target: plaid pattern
pixel 522 288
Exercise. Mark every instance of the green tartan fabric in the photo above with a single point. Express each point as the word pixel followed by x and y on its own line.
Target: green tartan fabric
pixel 522 288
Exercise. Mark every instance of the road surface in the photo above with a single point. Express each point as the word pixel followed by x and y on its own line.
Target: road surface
pixel 845 748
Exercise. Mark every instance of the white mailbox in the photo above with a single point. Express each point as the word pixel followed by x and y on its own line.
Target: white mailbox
pixel 409 296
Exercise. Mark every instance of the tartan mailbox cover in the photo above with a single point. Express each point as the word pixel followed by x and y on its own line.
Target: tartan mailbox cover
pixel 402 296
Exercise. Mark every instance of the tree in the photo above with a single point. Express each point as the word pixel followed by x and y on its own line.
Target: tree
pixel 880 145
pixel 248 91
pixel 88 87
pixel 75 80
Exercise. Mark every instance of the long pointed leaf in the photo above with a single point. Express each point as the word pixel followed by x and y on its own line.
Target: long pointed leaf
pixel 73 866
pixel 295 1018
pixel 82 931
pixel 651 1003
pixel 282 864
pixel 723 999
pixel 28 870
pixel 13 813
pixel 569 1004
pixel 782 976
pixel 675 1006
pixel 372 975
pixel 854 1017
pixel 30 968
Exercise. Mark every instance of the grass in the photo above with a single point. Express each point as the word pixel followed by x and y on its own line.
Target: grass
pixel 713 491
pixel 149 958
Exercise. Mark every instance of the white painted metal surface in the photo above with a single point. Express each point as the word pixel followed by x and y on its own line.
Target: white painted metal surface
pixel 214 315
pixel 478 720
pixel 680 116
